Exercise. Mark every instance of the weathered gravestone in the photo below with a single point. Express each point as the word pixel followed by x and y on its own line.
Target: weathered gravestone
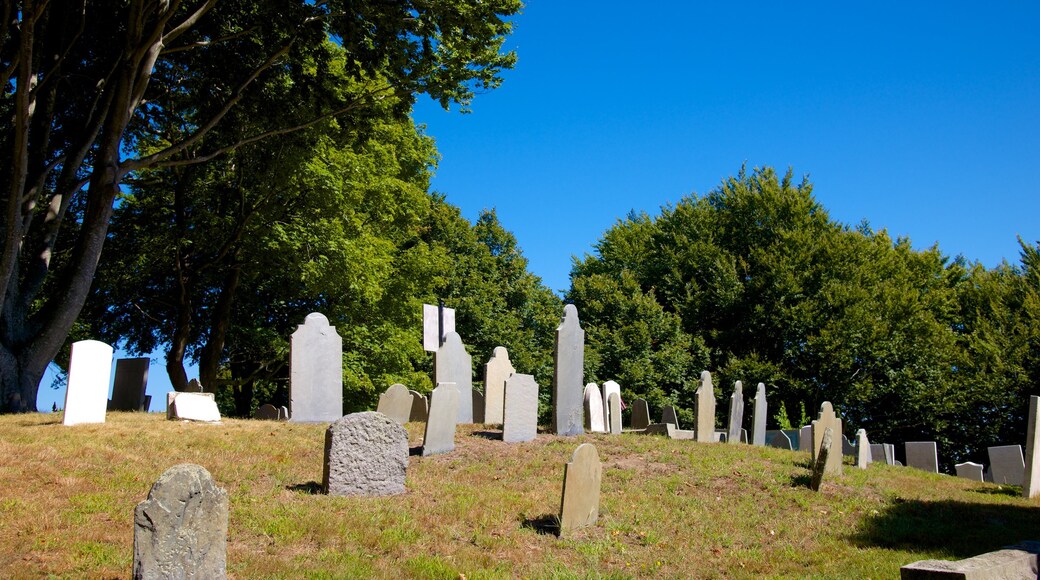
pixel 420 407
pixel 669 416
pixel 1031 485
pixel 847 447
pixel 180 531
pixel 594 421
pixel 758 427
pixel 520 422
pixel 805 439
pixel 827 420
pixel 922 455
pixel 396 403
pixel 440 426
pixel 130 384
pixel 478 407
pixel 736 413
pixel 1007 464
pixel 1013 562
pixel 614 405
pixel 315 372
pixel 266 412
pixel 640 414
pixel 192 407
pixel 609 387
pixel 581 486
pixel 86 395
pixel 823 455
pixel 496 372
pixel 863 457
pixel 452 364
pixel 365 454
pixel 970 470
pixel 779 439
pixel 705 427
pixel 568 374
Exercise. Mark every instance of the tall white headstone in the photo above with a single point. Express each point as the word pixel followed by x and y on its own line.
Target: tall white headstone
pixel 736 413
pixel 496 372
pixel 90 369
pixel 705 429
pixel 521 409
pixel 609 387
pixel 452 364
pixel 568 374
pixel 316 372
pixel 594 420
pixel 758 427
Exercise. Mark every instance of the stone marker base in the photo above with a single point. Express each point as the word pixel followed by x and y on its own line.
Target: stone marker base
pixel 1019 561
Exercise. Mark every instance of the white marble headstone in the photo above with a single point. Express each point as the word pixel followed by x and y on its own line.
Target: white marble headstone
pixel 90 370
pixel 594 420
pixel 496 372
pixel 316 372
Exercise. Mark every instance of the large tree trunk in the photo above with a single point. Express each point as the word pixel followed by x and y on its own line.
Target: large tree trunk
pixel 212 351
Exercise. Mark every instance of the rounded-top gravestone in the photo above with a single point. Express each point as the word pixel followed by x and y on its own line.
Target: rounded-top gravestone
pixel 365 454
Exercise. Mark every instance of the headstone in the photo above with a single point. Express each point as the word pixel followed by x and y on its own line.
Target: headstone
pixel 200 407
pixel 827 419
pixel 669 416
pixel 736 413
pixel 823 455
pixel 778 439
pixel 758 427
pixel 266 412
pixel 130 384
pixel 805 440
pixel 180 531
pixel 614 405
pixel 793 435
pixel 863 457
pixel 86 396
pixel 194 386
pixel 669 430
pixel 877 453
pixel 1019 561
pixel 1031 485
pixel 315 372
pixel 581 485
pixel 432 338
pixel 1008 464
pixel 640 414
pixel 440 426
pixel 283 413
pixel 520 422
pixel 396 403
pixel 922 455
pixel 847 447
pixel 365 454
pixel 452 364
pixel 147 403
pixel 478 407
pixel 568 374
pixel 420 407
pixel 969 470
pixel 496 371
pixel 705 427
pixel 610 387
pixel 594 421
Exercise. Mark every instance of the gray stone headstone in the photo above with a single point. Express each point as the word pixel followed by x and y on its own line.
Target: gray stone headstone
pixel 969 470
pixel 758 427
pixel 266 412
pixel 581 487
pixel 1020 561
pixel 440 426
pixel 496 372
pixel 805 440
pixel 86 394
pixel 1008 464
pixel 130 384
pixel 478 407
pixel 863 455
pixel 452 364
pixel 877 453
pixel 568 374
pixel 283 413
pixel 593 401
pixel 793 436
pixel 922 455
pixel 180 531
pixel 736 413
pixel 847 447
pixel 609 387
pixel 705 427
pixel 669 430
pixel 827 420
pixel 823 455
pixel 431 326
pixel 614 405
pixel 194 386
pixel 778 439
pixel 640 414
pixel 365 454
pixel 316 372
pixel 396 403
pixel 521 409
pixel 1031 485
pixel 420 407
pixel 669 416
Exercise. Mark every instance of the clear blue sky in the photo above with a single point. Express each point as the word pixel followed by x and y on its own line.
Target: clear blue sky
pixel 922 118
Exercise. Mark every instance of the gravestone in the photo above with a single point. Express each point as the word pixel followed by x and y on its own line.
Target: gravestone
pixel 877 453
pixel 315 372
pixel 180 531
pixel 440 425
pixel 434 329
pixel 1031 485
pixel 582 477
pixel 640 414
pixel 200 407
pixel 86 395
pixel 614 405
pixel 266 412
pixel 609 387
pixel 520 421
pixel 396 403
pixel 420 407
pixel 736 413
pixel 758 419
pixel 194 386
pixel 594 420
pixel 478 407
pixel 847 448
pixel 568 374
pixel 130 384
pixel 669 430
pixel 793 435
pixel 705 427
pixel 1008 464
pixel 778 439
pixel 283 413
pixel 969 470
pixel 365 454
pixel 805 440
pixel 496 372
pixel 1012 562
pixel 669 416
pixel 452 364
pixel 922 455
pixel 863 458
pixel 827 420
pixel 823 455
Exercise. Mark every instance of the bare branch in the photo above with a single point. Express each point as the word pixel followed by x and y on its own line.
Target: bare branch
pixel 189 21
pixel 204 43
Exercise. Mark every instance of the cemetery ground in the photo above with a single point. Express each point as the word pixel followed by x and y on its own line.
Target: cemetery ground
pixel 668 508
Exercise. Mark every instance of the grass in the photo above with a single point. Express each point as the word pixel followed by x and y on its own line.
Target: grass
pixel 668 508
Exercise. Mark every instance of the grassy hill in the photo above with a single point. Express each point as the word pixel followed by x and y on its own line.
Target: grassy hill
pixel 668 508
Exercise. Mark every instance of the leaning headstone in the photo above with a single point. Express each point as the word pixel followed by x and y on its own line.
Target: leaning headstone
pixel 520 421
pixel 180 531
pixel 440 426
pixel 922 455
pixel 669 416
pixel 827 419
pixel 568 374
pixel 315 372
pixel 778 439
pixel 863 458
pixel 1008 464
pixel 823 454
pixel 736 413
pixel 478 407
pixel 758 419
pixel 496 371
pixel 969 470
pixel 420 407
pixel 396 403
pixel 200 407
pixel 640 414
pixel 593 401
pixel 1031 485
pixel 805 440
pixel 452 364
pixel 365 454
pixel 266 412
pixel 705 427
pixel 581 486
pixel 614 405
pixel 130 384
pixel 609 387
pixel 86 396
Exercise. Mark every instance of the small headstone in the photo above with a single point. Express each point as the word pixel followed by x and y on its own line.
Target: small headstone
pixel 431 326
pixel 922 455
pixel 969 470
pixel 736 413
pixel 440 426
pixel 670 416
pixel 266 412
pixel 614 405
pixel 792 436
pixel 420 407
pixel 568 374
pixel 823 454
pixel 863 455
pixel 200 407
pixel 130 384
pixel 581 486
pixel 396 403
pixel 705 415
pixel 827 420
pixel 452 364
pixel 365 454
pixel 1008 464
pixel 194 386
pixel 640 414
pixel 778 439
pixel 594 421
pixel 283 413
pixel 86 395
pixel 1031 485
pixel 478 407
pixel 758 427
pixel 805 440
pixel 609 387
pixel 1019 561
pixel 847 447
pixel 877 453
pixel 180 531
pixel 496 372
pixel 315 372
pixel 520 422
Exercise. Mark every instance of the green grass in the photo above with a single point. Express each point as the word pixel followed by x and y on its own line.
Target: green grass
pixel 668 508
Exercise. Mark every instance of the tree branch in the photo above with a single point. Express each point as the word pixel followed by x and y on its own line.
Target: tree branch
pixel 204 43
pixel 189 21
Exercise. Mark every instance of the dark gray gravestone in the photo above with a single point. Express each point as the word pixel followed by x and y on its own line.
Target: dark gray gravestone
pixel 969 470
pixel 130 384
pixel 365 454
pixel 758 420
pixel 669 416
pixel 705 427
pixel 922 455
pixel 778 439
pixel 736 413
pixel 640 414
pixel 1007 463
pixel 315 372
pixel 396 403
pixel 805 438
pixel 792 435
pixel 822 455
pixel 478 407
pixel 266 412
pixel 582 477
pixel 420 407
pixel 520 420
pixel 1031 483
pixel 180 531
pixel 440 425
pixel 452 364
pixel 614 406
pixel 568 374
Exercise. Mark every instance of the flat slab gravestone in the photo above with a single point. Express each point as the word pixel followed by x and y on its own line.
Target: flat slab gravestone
pixel 520 422
pixel 432 339
pixel 669 430
pixel 922 455
pixel 705 427
pixel 496 372
pixel 316 372
pixel 669 416
pixel 86 395
pixel 758 419
pixel 640 414
pixel 863 455
pixel 736 413
pixel 130 384
pixel 366 454
pixel 180 531
pixel 1019 561
pixel 200 407
pixel 420 407
pixel 266 412
pixel 1031 485
pixel 396 403
pixel 452 364
pixel 1008 464
pixel 779 439
pixel 609 387
pixel 593 401
pixel 440 426
pixel 970 470
pixel 568 374
pixel 582 477
pixel 614 405
pixel 805 439
pixel 827 420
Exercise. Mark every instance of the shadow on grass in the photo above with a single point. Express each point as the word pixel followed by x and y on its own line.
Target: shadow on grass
pixel 311 488
pixel 802 480
pixel 548 524
pixel 1010 490
pixel 957 529
pixel 492 435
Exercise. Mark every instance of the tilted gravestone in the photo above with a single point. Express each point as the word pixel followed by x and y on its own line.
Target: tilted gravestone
pixel 86 395
pixel 1007 463
pixel 582 477
pixel 420 407
pixel 478 406
pixel 593 402
pixel 609 387
pixel 970 470
pixel 440 426
pixel 180 531
pixel 365 454
pixel 669 416
pixel 827 420
pixel 396 403
pixel 779 439
pixel 1031 485
pixel 758 427
pixel 1019 561
pixel 568 374
pixel 266 412
pixel 130 384
pixel 452 364
pixel 640 414
pixel 200 407
pixel 823 455
pixel 736 413
pixel 315 372
pixel 520 422
pixel 922 455
pixel 863 457
pixel 705 427
pixel 805 439
pixel 496 372
pixel 614 405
